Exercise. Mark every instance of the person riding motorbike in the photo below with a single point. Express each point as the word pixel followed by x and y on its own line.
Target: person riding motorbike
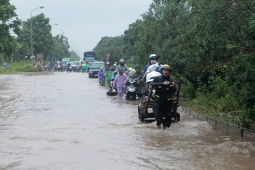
pixel 69 67
pixel 109 77
pixel 163 99
pixel 119 82
pixel 101 76
pixel 122 66
pixel 107 65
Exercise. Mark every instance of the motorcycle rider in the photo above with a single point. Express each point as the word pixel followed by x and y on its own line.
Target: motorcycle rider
pixel 122 66
pixel 119 82
pixel 101 76
pixel 109 79
pixel 163 99
pixel 69 67
pixel 107 65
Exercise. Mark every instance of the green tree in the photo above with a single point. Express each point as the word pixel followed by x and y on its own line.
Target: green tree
pixel 42 38
pixel 8 22
pixel 61 47
pixel 74 56
pixel 112 45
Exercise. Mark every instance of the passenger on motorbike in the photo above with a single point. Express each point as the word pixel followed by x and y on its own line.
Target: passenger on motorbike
pixel 152 59
pixel 163 100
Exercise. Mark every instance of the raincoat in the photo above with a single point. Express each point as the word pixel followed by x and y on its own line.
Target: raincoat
pixel 100 76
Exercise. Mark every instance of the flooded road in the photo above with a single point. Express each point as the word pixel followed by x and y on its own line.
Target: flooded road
pixel 66 121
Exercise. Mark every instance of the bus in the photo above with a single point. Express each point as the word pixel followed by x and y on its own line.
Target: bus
pixel 89 56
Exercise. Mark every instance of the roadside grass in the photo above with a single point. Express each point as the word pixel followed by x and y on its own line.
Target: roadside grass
pixel 18 67
pixel 223 109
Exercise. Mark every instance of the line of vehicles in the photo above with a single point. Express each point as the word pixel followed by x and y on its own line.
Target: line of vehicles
pixel 137 86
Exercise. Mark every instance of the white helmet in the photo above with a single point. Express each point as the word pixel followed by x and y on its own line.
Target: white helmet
pixel 153 56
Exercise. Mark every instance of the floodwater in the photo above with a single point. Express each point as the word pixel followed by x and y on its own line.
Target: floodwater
pixel 53 121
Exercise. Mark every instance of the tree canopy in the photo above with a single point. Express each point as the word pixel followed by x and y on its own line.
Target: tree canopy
pixel 9 23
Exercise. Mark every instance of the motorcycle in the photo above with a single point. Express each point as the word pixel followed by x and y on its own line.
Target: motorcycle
pixel 61 67
pixel 134 85
pixel 101 81
pixel 69 68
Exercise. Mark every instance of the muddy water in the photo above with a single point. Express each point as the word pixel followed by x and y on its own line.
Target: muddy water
pixel 65 121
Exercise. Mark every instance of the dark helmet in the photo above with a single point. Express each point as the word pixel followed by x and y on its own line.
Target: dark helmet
pixel 122 61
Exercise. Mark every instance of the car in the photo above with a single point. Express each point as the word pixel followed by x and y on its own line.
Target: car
pixel 94 68
pixel 75 65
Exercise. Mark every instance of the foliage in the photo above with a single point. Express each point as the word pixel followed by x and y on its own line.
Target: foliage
pixel 61 47
pixel 41 36
pixel 8 22
pixel 112 45
pixel 74 56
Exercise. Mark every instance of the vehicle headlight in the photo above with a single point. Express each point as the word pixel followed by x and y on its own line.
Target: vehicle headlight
pixel 131 88
pixel 131 81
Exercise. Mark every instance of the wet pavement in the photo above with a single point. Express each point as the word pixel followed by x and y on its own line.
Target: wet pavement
pixel 66 121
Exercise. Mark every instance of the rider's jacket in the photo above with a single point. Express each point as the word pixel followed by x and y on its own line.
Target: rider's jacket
pixel 124 68
pixel 163 93
pixel 100 74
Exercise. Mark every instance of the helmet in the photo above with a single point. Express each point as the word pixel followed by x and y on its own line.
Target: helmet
pixel 130 69
pixel 122 61
pixel 101 68
pixel 153 57
pixel 120 70
pixel 165 66
pixel 107 62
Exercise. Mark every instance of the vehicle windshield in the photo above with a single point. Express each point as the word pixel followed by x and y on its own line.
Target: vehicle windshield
pixel 97 65
pixel 73 63
pixel 89 59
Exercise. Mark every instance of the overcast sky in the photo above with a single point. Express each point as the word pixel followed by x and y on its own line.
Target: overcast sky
pixel 85 22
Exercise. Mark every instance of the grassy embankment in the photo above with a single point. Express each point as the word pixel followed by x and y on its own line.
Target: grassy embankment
pixel 224 108
pixel 18 67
